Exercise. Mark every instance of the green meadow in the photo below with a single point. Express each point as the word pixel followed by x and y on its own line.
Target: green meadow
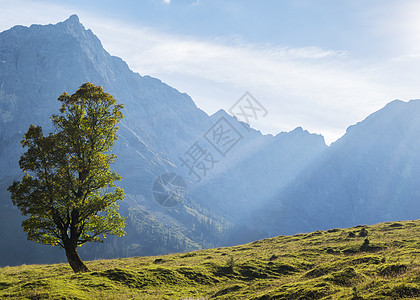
pixel 381 261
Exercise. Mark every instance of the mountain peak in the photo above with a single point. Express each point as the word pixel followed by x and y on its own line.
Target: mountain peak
pixel 395 113
pixel 73 19
pixel 298 130
pixel 72 24
pixel 73 27
pixel 220 113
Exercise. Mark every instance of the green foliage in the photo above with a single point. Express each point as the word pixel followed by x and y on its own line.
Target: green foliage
pixel 67 191
pixel 285 267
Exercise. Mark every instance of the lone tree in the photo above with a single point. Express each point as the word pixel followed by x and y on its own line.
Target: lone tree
pixel 67 191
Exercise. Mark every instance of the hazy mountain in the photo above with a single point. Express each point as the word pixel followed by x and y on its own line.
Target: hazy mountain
pixel 256 170
pixel 371 174
pixel 257 185
pixel 39 63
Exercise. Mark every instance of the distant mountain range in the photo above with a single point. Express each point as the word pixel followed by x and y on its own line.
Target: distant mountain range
pixel 369 175
pixel 262 185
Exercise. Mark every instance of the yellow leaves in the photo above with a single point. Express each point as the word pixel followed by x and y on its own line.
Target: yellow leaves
pixel 26 176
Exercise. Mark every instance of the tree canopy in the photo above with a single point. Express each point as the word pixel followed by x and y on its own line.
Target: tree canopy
pixel 68 191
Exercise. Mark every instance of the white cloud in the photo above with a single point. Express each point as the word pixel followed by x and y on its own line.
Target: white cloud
pixel 322 90
pixel 167 1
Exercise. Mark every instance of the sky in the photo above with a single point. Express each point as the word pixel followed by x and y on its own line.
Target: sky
pixel 321 65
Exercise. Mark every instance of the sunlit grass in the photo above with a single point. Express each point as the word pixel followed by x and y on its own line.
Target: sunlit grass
pixel 330 264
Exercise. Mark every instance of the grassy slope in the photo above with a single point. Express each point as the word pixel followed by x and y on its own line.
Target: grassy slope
pixel 319 265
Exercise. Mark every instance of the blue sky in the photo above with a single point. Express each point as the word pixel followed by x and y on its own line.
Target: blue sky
pixel 322 65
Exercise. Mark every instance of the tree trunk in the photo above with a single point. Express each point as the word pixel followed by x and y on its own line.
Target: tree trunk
pixel 75 262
